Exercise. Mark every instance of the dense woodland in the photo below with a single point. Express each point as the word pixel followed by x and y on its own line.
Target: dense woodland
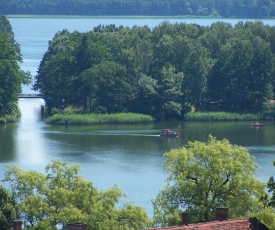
pixel 165 71
pixel 224 8
pixel 11 76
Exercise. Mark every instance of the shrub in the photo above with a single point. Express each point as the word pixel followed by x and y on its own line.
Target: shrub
pixel 54 111
pixel 2 121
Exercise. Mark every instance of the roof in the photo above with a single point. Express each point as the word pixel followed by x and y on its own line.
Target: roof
pixel 230 224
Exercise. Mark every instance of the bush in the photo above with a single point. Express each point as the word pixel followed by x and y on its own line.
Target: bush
pixel 101 109
pixel 54 111
pixel 2 121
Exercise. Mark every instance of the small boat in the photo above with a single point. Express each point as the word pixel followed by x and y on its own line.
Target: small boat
pixel 257 124
pixel 168 133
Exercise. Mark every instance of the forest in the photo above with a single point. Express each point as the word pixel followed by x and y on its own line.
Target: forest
pixel 165 72
pixel 223 8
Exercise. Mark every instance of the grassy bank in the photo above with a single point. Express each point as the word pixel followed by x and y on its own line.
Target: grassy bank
pixel 91 119
pixel 7 119
pixel 222 116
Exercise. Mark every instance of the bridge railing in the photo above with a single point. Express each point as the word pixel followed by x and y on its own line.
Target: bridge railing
pixel 30 95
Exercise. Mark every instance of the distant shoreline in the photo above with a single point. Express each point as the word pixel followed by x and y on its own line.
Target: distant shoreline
pixel 127 16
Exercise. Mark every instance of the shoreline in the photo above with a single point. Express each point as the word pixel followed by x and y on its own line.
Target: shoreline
pixel 131 16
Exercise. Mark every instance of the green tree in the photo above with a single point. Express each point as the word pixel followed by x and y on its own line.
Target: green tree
pixel 61 196
pixel 203 176
pixel 267 217
pixel 7 209
pixel 196 81
pixel 146 95
pixel 107 86
pixel 11 76
pixel 170 94
pixel 5 26
pixel 59 67
pixel 269 199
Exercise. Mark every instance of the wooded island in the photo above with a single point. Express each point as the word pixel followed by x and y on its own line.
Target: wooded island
pixel 164 72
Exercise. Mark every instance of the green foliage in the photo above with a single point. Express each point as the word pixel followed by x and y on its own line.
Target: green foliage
pixel 203 176
pixel 269 199
pixel 42 225
pixel 7 209
pixel 266 217
pixel 6 28
pixel 216 8
pixel 165 71
pixel 11 76
pixel 220 116
pixel 84 119
pixel 62 196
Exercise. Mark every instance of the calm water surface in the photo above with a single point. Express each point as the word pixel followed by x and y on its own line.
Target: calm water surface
pixel 130 156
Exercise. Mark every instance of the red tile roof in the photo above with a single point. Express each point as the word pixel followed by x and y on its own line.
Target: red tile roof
pixel 230 224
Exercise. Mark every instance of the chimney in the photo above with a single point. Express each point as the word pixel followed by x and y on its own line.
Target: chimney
pixel 17 225
pixel 76 226
pixel 221 214
pixel 184 218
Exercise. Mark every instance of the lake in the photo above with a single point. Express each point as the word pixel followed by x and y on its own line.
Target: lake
pixel 130 156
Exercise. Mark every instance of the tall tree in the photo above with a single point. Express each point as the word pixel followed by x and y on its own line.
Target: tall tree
pixel 59 67
pixel 169 103
pixel 11 76
pixel 203 176
pixel 7 209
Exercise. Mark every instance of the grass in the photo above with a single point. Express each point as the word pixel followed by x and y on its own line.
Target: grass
pixel 221 116
pixel 90 119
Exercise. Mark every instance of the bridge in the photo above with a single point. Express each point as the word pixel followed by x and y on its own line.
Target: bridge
pixel 30 95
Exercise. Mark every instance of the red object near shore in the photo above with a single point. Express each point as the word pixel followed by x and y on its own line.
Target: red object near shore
pixel 168 133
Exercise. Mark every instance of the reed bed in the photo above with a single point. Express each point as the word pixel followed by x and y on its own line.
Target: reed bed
pixel 91 119
pixel 221 116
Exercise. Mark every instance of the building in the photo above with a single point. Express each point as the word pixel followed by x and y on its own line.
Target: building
pixel 222 222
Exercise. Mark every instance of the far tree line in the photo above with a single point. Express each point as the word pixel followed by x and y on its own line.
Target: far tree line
pixel 165 71
pixel 224 8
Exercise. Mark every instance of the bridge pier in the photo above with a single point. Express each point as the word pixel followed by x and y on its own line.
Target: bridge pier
pixel 42 110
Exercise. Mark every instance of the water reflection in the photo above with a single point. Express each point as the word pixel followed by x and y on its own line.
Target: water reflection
pixel 29 139
pixel 7 142
pixel 128 155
